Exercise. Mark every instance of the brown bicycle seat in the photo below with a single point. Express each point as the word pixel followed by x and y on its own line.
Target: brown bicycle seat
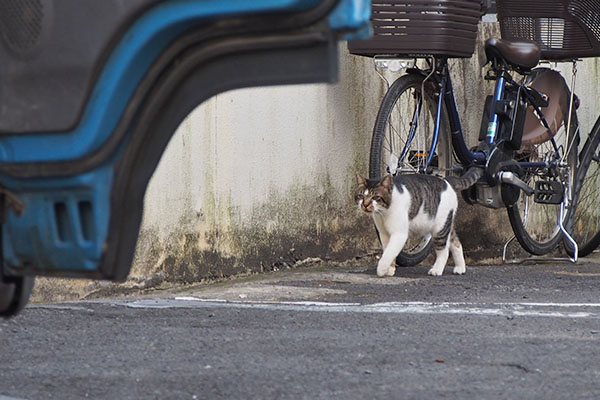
pixel 520 54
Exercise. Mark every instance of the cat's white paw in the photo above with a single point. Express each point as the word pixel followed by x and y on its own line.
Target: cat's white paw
pixel 383 269
pixel 391 271
pixel 435 271
pixel 459 270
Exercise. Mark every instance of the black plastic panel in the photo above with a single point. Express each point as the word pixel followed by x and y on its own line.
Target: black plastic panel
pixel 51 52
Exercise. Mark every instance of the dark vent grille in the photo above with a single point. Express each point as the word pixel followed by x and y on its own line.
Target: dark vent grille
pixel 521 27
pixel 589 13
pixel 565 29
pixel 21 23
pixel 421 27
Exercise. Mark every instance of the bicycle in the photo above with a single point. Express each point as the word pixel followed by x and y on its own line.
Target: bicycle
pixel 529 137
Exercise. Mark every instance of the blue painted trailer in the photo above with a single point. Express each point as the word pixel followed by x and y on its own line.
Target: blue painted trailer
pixel 91 92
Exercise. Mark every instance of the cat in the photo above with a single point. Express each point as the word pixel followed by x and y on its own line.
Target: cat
pixel 419 204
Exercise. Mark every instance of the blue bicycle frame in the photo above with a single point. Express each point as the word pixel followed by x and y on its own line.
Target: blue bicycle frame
pixel 464 155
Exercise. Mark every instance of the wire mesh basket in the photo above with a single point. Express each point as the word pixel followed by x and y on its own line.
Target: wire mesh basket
pixel 421 27
pixel 565 29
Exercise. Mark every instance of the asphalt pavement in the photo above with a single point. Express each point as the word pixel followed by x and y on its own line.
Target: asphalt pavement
pixel 498 332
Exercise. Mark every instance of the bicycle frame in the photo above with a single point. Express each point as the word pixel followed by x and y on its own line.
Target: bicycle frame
pixel 446 97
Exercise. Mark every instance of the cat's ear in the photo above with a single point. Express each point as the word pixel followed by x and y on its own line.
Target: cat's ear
pixel 360 181
pixel 387 182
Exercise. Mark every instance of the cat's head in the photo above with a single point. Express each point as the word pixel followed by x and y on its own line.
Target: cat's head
pixel 373 195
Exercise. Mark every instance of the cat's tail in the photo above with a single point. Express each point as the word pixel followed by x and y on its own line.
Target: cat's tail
pixel 467 180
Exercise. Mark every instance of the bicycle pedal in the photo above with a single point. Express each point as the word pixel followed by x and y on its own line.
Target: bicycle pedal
pixel 548 192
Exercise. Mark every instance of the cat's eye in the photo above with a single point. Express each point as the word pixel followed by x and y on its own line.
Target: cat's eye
pixel 377 198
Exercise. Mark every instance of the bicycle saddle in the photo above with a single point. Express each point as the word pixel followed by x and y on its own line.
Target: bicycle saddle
pixel 521 54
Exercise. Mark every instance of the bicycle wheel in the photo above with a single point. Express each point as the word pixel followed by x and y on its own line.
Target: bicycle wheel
pixel 401 143
pixel 585 224
pixel 536 224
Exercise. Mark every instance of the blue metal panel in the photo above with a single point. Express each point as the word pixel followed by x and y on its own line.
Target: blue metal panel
pixel 123 71
pixel 492 129
pixel 132 58
pixel 65 224
pixel 352 15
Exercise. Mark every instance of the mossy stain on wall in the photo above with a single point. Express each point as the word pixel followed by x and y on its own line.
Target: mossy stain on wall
pixel 304 222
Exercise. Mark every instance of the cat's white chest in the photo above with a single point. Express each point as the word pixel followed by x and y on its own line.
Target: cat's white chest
pixel 395 218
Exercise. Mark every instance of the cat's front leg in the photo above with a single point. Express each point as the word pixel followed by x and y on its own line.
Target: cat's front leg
pixel 387 263
pixel 385 268
pixel 384 236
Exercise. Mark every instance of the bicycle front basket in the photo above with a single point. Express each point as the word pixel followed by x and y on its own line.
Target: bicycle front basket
pixel 565 29
pixel 421 27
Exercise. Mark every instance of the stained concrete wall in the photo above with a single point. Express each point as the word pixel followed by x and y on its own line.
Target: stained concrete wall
pixel 262 178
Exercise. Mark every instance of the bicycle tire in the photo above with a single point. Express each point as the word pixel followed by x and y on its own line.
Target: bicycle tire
pixel 14 294
pixel 585 224
pixel 538 231
pixel 390 133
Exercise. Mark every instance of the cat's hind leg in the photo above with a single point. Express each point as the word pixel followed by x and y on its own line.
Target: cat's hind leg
pixel 441 256
pixel 441 244
pixel 456 249
pixel 387 263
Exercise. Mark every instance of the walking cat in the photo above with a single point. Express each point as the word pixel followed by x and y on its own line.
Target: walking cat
pixel 417 204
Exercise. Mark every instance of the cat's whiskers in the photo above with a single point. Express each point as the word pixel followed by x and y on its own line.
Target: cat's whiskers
pixel 378 209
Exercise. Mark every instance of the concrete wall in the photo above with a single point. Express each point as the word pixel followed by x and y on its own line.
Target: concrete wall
pixel 259 179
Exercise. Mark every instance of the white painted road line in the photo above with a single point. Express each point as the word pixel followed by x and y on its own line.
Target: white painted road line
pixel 552 310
